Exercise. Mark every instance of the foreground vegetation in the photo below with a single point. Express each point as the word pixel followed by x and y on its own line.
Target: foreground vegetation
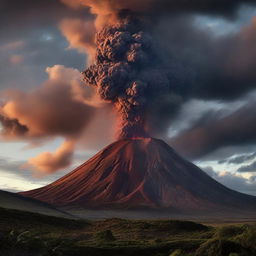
pixel 25 234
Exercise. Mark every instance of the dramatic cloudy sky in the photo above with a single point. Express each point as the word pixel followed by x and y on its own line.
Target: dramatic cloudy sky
pixel 51 123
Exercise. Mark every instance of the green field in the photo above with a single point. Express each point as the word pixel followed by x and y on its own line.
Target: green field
pixel 25 234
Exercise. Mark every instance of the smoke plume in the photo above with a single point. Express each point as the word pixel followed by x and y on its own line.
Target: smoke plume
pixel 80 34
pixel 145 83
pixel 129 72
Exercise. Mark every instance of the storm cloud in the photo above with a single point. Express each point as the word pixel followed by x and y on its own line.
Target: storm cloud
pixel 211 132
pixel 248 168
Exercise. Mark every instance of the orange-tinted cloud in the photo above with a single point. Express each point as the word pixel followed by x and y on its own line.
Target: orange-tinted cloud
pixel 16 59
pixel 12 45
pixel 240 59
pixel 53 109
pixel 47 163
pixel 106 9
pixel 80 34
pixel 12 127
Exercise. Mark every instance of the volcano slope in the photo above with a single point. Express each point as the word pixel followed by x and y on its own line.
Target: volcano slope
pixel 142 174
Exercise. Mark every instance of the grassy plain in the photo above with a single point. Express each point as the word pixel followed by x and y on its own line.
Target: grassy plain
pixel 25 234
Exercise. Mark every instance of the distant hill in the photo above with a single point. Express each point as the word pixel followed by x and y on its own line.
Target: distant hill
pixel 14 201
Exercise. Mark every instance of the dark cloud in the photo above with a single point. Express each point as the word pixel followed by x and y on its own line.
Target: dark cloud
pixel 248 168
pixel 217 67
pixel 210 132
pixel 218 7
pixel 158 7
pixel 228 72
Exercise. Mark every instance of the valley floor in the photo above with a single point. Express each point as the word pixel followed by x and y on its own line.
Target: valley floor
pixel 217 217
pixel 25 234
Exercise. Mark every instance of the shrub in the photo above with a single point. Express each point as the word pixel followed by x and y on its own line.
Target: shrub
pixel 177 252
pixel 248 237
pixel 219 247
pixel 30 241
pixel 180 226
pixel 229 231
pixel 158 241
pixel 106 235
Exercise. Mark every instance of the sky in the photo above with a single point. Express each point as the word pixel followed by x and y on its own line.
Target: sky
pixel 51 122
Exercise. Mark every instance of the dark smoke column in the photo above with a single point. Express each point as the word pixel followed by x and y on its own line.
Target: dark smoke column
pixel 127 73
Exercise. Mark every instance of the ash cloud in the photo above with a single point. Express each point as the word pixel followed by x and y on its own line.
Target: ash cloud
pixel 80 33
pixel 175 61
pixel 129 73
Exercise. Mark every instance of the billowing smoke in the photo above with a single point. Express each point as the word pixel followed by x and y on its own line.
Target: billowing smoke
pixel 146 74
pixel 129 73
pixel 80 34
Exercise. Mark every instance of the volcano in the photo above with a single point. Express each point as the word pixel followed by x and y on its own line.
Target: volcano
pixel 141 173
